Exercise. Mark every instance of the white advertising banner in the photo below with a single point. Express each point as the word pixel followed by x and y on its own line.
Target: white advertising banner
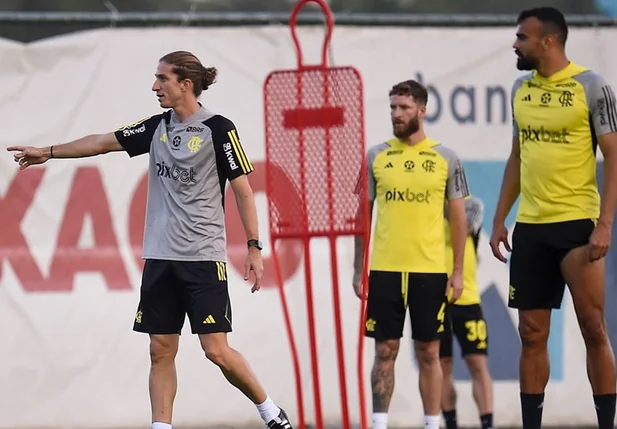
pixel 71 231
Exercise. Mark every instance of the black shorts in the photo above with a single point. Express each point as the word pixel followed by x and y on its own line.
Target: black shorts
pixel 172 289
pixel 468 325
pixel 389 295
pixel 536 281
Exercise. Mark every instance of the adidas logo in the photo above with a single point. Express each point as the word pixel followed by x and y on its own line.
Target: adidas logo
pixel 389 165
pixel 209 320
pixel 527 98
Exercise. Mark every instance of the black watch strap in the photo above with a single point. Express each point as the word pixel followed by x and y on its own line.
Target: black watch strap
pixel 254 243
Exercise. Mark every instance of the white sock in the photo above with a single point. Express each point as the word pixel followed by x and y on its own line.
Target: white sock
pixel 432 422
pixel 268 410
pixel 380 420
pixel 158 425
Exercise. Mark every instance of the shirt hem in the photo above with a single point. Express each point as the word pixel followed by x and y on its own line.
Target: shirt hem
pixel 185 258
pixel 414 270
pixel 466 303
pixel 556 219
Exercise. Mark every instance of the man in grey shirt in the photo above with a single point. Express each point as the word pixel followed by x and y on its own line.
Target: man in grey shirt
pixel 193 153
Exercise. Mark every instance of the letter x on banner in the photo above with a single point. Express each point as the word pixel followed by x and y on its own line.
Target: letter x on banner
pixel 314 127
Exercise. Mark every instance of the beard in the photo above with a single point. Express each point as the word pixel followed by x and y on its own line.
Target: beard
pixel 525 63
pixel 410 128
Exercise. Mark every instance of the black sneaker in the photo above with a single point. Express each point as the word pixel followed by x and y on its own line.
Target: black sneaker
pixel 280 422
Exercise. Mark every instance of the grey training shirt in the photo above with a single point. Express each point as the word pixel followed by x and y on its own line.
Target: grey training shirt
pixel 190 163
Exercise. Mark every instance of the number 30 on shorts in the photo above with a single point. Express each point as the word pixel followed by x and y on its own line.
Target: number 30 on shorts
pixel 476 330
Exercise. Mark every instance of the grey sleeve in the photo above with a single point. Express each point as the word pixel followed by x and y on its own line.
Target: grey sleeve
pixel 372 184
pixel 515 87
pixel 474 210
pixel 136 138
pixel 366 176
pixel 456 186
pixel 601 102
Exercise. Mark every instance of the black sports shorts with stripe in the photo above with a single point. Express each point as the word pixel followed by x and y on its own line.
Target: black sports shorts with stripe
pixel 171 290
pixel 390 294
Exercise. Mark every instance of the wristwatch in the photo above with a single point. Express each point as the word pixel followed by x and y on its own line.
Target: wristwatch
pixel 255 243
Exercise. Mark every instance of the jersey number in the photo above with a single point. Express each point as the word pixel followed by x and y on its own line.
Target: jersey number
pixel 476 330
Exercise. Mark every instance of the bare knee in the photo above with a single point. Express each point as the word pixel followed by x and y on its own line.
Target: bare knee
pixel 216 348
pixel 533 328
pixel 427 353
pixel 386 352
pixel 217 355
pixel 477 366
pixel 593 328
pixel 163 349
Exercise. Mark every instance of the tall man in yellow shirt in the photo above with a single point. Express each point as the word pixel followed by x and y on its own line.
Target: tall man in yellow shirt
pixel 410 177
pixel 465 320
pixel 561 113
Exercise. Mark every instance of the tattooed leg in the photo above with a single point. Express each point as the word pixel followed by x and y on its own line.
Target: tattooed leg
pixel 430 376
pixel 382 376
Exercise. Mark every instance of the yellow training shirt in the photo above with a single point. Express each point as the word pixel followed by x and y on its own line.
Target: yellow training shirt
pixel 557 121
pixel 410 185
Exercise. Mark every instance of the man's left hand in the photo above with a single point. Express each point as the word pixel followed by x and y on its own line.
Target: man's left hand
pixel 455 284
pixel 254 263
pixel 599 242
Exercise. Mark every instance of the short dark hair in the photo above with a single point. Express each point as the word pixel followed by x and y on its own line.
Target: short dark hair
pixel 552 19
pixel 411 88
pixel 187 66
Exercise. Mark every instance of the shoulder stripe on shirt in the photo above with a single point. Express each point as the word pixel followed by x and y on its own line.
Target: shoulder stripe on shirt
pixel 360 182
pixel 610 108
pixel 463 179
pixel 246 165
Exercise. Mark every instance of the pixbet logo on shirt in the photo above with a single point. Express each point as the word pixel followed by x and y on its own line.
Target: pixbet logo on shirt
pixel 176 173
pixel 408 196
pixel 132 131
pixel 543 135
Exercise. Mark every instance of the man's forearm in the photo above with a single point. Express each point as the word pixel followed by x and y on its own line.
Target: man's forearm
pixel 609 190
pixel 360 245
pixel 84 147
pixel 358 258
pixel 458 232
pixel 248 214
pixel 510 189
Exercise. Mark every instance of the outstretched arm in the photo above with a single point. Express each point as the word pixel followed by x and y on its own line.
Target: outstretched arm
pixel 92 145
pixel 135 139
